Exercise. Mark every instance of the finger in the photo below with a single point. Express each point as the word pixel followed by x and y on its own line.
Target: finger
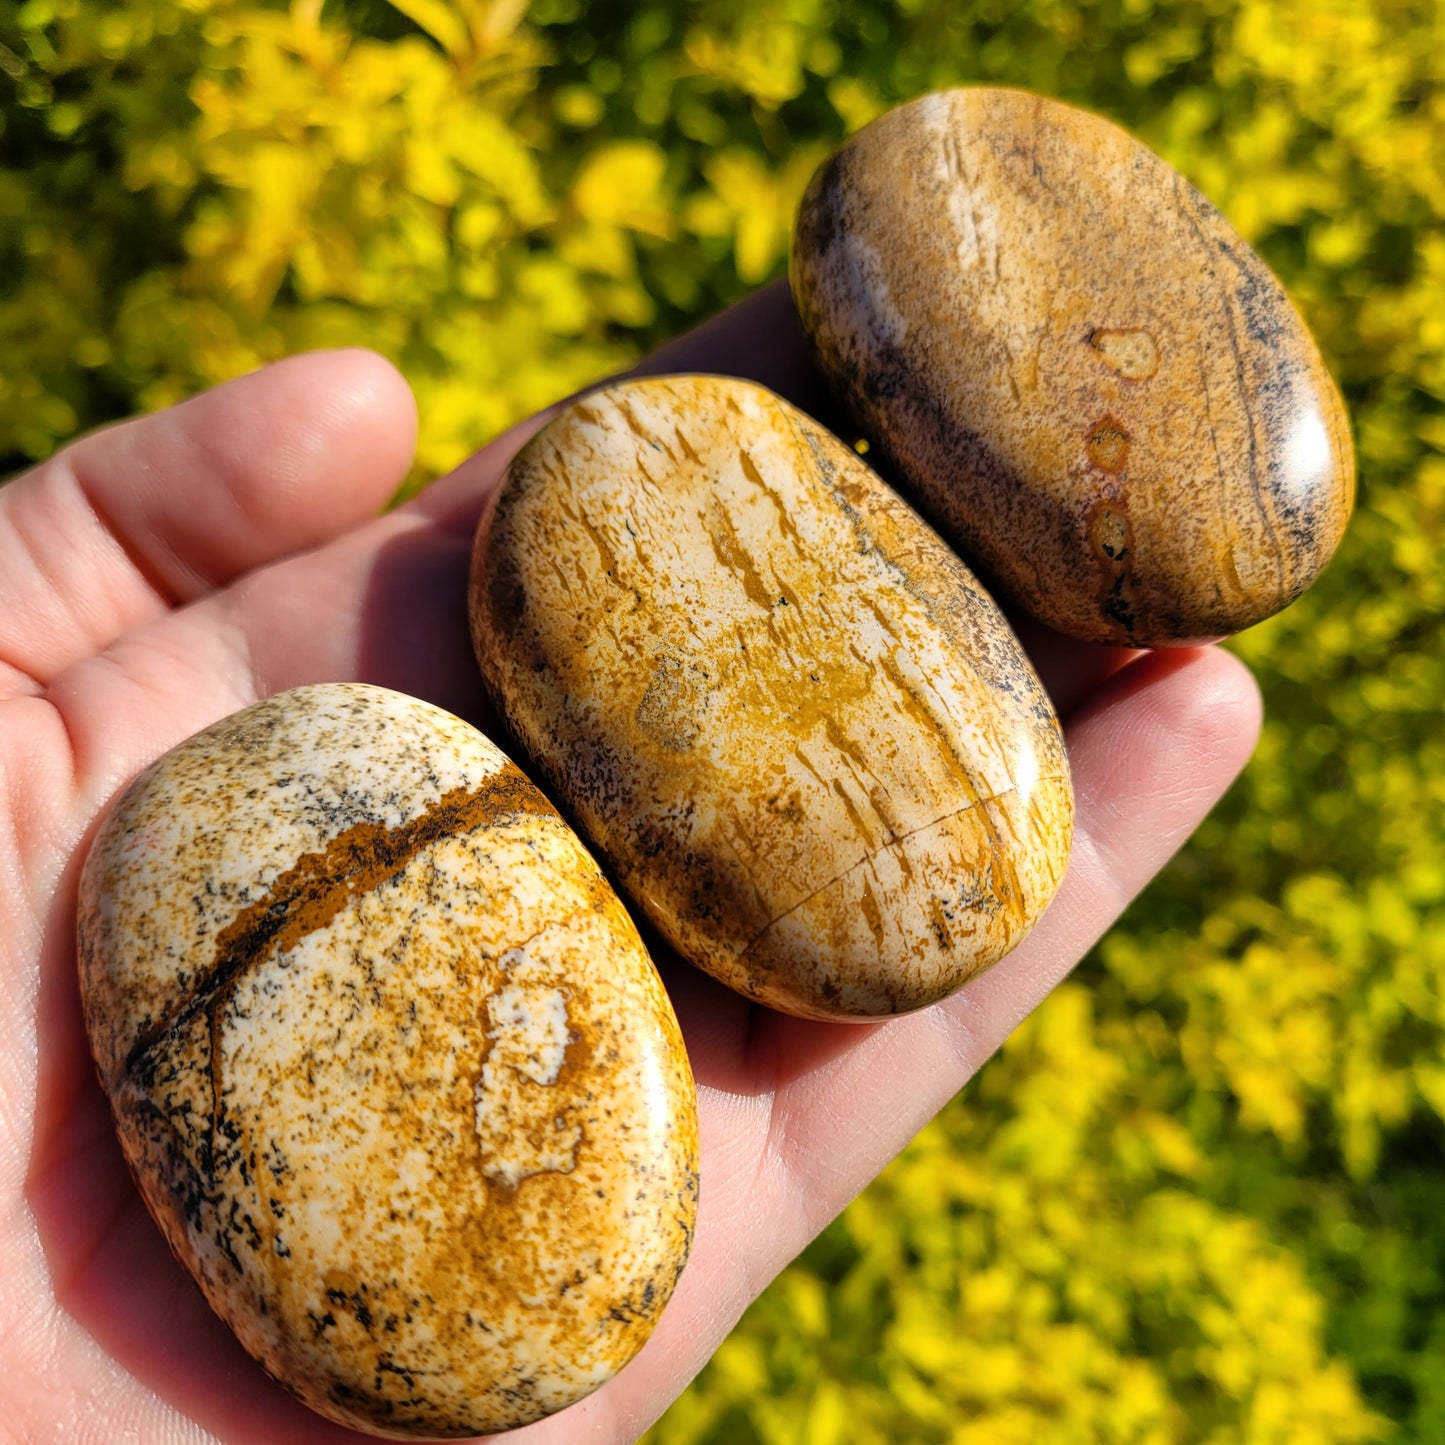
pixel 123 525
pixel 1151 755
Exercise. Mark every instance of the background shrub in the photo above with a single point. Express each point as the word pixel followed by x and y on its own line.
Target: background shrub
pixel 1197 1196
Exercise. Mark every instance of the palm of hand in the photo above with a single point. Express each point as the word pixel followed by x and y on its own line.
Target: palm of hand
pixel 161 574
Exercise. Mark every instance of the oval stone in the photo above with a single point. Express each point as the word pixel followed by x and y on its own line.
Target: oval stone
pixel 797 729
pixel 389 1063
pixel 1094 387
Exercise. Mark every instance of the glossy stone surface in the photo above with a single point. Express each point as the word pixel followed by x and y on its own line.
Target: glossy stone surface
pixel 389 1062
pixel 1094 387
pixel 799 732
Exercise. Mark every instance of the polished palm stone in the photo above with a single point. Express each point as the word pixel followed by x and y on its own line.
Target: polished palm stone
pixel 1088 381
pixel 789 719
pixel 389 1063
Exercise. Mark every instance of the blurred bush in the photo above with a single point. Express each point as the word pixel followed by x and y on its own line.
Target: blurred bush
pixel 1197 1197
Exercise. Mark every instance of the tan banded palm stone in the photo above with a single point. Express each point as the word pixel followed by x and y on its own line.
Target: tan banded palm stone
pixel 1091 384
pixel 796 728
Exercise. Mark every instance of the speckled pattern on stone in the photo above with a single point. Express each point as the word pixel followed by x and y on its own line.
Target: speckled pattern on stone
pixel 804 738
pixel 1094 387
pixel 389 1062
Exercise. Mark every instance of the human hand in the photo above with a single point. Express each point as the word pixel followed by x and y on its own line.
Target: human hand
pixel 165 572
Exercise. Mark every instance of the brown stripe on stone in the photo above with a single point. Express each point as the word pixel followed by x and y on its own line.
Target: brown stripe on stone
pixel 308 895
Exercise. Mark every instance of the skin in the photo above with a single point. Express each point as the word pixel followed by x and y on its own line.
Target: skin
pixel 165 572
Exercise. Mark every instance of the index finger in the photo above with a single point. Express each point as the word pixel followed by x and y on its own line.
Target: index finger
pixel 124 524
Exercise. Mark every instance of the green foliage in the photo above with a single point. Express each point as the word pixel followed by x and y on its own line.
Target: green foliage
pixel 1196 1198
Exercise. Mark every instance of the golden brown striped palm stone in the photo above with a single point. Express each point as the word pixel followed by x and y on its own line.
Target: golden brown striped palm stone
pixel 789 719
pixel 389 1063
pixel 1085 377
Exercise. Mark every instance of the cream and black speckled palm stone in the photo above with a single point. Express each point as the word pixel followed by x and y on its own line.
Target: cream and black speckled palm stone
pixel 389 1062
